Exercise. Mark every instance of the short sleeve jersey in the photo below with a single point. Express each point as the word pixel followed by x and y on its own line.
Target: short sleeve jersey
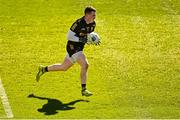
pixel 81 28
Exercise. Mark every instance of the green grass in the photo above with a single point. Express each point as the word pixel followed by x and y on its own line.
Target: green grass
pixel 135 72
pixel 2 113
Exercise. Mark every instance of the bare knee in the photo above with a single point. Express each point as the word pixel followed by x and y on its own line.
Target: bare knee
pixel 85 66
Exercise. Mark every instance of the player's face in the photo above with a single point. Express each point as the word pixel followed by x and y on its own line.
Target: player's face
pixel 92 16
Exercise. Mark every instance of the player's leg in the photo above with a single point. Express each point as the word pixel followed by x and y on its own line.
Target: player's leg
pixel 60 67
pixel 55 67
pixel 82 61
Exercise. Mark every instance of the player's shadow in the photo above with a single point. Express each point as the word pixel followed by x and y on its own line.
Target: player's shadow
pixel 53 105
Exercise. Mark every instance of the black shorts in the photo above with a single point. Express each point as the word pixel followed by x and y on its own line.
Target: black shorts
pixel 74 47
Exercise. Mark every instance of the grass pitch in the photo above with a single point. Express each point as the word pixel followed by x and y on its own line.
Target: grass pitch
pixel 135 72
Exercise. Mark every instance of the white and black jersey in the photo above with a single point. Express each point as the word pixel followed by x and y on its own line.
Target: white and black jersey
pixel 78 29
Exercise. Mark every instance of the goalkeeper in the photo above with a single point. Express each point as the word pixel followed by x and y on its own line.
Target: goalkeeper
pixel 77 38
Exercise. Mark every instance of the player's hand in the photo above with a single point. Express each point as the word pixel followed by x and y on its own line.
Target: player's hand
pixel 98 43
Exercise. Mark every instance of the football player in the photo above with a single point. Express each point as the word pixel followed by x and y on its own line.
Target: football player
pixel 77 38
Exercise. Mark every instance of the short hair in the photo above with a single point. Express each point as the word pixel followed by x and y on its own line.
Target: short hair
pixel 89 9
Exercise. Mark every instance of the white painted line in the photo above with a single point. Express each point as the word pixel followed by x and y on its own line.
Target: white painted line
pixel 5 101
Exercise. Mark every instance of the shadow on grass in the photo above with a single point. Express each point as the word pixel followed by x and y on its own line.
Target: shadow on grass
pixel 51 107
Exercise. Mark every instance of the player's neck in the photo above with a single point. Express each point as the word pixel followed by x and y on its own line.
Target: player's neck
pixel 87 20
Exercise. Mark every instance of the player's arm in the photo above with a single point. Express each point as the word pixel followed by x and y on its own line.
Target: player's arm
pixel 72 36
pixel 74 33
